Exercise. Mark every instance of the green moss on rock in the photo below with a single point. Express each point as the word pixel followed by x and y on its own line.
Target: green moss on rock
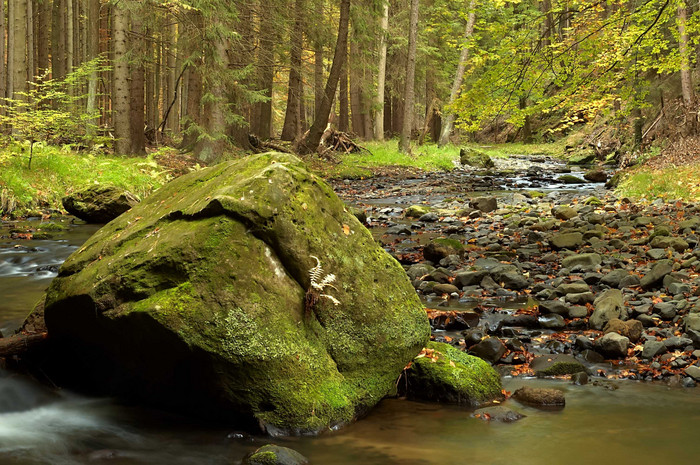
pixel 416 211
pixel 452 243
pixel 195 299
pixel 271 454
pixel 445 374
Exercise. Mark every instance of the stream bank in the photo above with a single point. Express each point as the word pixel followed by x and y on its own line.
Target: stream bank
pixel 622 420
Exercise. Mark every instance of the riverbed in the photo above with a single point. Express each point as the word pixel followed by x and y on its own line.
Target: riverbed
pixel 620 421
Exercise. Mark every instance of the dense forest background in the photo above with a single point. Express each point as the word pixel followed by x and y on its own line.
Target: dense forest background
pixel 206 74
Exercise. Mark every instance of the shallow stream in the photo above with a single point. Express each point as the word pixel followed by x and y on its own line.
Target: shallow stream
pixel 623 422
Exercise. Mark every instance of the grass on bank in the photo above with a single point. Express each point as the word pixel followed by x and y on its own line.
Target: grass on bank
pixel 670 183
pixel 427 157
pixel 56 172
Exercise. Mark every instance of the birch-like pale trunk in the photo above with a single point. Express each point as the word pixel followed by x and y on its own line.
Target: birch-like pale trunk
pixel 448 119
pixel 409 90
pixel 381 74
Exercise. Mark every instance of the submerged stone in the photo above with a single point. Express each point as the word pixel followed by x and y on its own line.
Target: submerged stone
pixel 442 373
pixel 498 413
pixel 556 365
pixel 272 454
pixel 196 300
pixel 540 397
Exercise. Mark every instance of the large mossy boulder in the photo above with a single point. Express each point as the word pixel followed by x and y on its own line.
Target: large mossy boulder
pixel 442 373
pixel 475 158
pixel 99 204
pixel 196 300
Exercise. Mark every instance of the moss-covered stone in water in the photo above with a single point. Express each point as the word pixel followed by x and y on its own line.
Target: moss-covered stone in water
pixel 570 179
pixel 594 201
pixel 476 158
pixel 416 211
pixel 51 227
pixel 556 365
pixel 194 299
pixel 446 374
pixel 452 243
pixel 271 454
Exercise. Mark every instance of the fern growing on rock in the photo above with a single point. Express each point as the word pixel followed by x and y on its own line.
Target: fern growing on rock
pixel 319 284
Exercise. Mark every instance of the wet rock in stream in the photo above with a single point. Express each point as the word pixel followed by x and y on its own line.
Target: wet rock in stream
pixel 549 269
pixel 540 397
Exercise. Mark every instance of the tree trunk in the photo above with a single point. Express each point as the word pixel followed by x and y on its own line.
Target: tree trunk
pixel 686 76
pixel 548 26
pixel 29 40
pixel 355 90
pixel 193 121
pixel 396 115
pixel 43 36
pixel 120 96
pixel 310 143
pixel 448 115
pixel 211 146
pixel 527 129
pixel 151 102
pixel 58 40
pixel 343 102
pixel 175 112
pixel 19 51
pixel 3 68
pixel 93 50
pixel 70 44
pixel 292 117
pixel 137 117
pixel 405 140
pixel 318 62
pixel 381 74
pixel 10 49
pixel 266 67
pixel 194 99
pixel 366 105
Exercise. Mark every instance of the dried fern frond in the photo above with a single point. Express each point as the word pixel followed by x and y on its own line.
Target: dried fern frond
pixel 315 273
pixel 327 281
pixel 331 298
pixel 320 282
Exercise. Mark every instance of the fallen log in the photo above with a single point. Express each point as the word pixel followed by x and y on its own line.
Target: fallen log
pixel 263 145
pixel 21 344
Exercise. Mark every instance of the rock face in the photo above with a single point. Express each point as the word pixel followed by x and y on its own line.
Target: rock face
pixel 442 373
pixel 195 300
pixel 99 204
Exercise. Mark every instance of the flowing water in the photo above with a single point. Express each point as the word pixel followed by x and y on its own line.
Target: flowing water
pixel 637 423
